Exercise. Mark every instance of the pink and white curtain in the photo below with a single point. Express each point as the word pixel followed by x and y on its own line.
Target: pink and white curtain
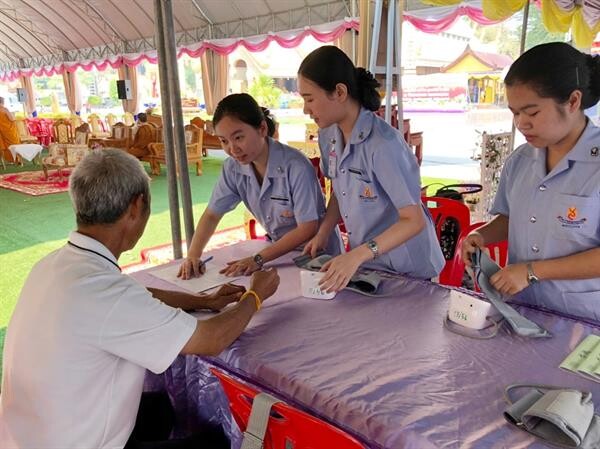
pixel 287 39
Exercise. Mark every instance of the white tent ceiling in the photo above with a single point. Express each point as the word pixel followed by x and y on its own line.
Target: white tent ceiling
pixel 44 32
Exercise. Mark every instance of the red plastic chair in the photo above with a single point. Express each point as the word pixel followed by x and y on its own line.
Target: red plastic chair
pixel 450 217
pixel 454 275
pixel 288 426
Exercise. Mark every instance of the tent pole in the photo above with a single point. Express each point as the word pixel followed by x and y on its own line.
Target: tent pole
pixel 167 131
pixel 521 51
pixel 177 117
pixel 400 16
pixel 389 59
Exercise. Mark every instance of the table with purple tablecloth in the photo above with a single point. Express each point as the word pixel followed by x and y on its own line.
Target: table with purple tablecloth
pixel 385 369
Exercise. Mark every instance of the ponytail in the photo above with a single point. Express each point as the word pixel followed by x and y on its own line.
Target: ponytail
pixel 367 85
pixel 593 63
pixel 329 66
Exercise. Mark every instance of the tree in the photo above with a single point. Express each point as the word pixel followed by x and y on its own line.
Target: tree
pixel 265 92
pixel 507 34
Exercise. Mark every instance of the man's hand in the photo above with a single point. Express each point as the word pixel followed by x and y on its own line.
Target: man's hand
pixel 339 270
pixel 473 241
pixel 265 283
pixel 191 267
pixel 511 279
pixel 226 294
pixel 244 267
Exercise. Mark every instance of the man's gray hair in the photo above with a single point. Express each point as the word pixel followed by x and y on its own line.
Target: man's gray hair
pixel 103 185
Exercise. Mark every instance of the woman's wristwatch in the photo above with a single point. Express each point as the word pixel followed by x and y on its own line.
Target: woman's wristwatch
pixel 531 277
pixel 258 260
pixel 372 245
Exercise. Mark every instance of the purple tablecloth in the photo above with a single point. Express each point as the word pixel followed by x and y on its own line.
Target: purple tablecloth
pixel 384 369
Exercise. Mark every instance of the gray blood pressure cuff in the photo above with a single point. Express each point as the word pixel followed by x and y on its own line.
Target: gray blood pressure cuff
pixel 365 283
pixel 562 417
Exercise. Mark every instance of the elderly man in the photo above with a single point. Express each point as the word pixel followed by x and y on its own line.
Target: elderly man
pixel 82 334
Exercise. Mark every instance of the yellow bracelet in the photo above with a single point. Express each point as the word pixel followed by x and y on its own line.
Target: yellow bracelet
pixel 257 300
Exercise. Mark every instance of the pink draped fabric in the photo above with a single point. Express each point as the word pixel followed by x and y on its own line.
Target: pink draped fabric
pixel 287 39
pixel 437 25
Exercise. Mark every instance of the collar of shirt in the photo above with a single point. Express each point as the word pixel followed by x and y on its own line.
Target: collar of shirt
pixel 275 164
pixel 91 244
pixel 583 151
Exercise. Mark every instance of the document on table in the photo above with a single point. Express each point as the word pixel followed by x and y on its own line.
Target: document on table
pixel 585 359
pixel 212 278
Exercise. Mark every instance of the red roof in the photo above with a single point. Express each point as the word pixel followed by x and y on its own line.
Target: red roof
pixel 493 60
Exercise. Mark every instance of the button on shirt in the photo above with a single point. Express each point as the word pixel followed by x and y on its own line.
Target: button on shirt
pixel 290 192
pixel 77 348
pixel 554 215
pixel 376 174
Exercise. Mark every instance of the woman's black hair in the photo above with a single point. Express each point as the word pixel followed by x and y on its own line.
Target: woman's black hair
pixel 240 106
pixel 555 70
pixel 271 122
pixel 328 65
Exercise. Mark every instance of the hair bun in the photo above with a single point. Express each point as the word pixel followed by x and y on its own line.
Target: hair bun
pixel 265 111
pixel 365 78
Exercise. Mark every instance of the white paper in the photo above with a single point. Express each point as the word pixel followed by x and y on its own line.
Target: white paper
pixel 212 278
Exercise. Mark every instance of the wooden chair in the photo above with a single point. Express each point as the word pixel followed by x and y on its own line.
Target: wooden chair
pixel 193 140
pixel 62 132
pixel 98 127
pixel 62 156
pixel 416 141
pixel 128 119
pixel 111 120
pixel 76 121
pixel 209 139
pixel 120 138
pixel 155 119
pixel 82 135
pixel 24 133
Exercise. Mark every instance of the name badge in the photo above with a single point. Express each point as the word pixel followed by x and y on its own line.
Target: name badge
pixel 332 169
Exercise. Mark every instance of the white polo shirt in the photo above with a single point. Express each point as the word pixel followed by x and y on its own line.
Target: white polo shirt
pixel 78 344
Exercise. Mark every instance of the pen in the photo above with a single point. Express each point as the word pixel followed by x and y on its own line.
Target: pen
pixel 205 261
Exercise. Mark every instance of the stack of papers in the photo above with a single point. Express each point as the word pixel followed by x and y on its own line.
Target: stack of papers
pixel 212 278
pixel 585 359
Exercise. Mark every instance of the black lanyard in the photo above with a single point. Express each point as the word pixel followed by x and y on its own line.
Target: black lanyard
pixel 95 252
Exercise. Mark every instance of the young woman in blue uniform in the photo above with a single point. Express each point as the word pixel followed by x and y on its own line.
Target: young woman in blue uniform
pixel 375 176
pixel 548 200
pixel 277 183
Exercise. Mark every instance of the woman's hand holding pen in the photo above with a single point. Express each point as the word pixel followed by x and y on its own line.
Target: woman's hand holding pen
pixel 192 267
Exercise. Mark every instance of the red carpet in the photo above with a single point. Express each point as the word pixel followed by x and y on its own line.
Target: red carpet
pixel 33 182
pixel 158 255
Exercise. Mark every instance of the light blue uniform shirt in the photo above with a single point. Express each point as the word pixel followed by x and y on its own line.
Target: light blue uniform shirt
pixel 290 193
pixel 373 176
pixel 553 215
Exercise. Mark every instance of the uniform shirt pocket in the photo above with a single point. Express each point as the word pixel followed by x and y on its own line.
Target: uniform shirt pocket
pixel 576 217
pixel 365 187
pixel 282 208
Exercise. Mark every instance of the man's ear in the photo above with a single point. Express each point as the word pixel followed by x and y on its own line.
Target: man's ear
pixel 137 206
